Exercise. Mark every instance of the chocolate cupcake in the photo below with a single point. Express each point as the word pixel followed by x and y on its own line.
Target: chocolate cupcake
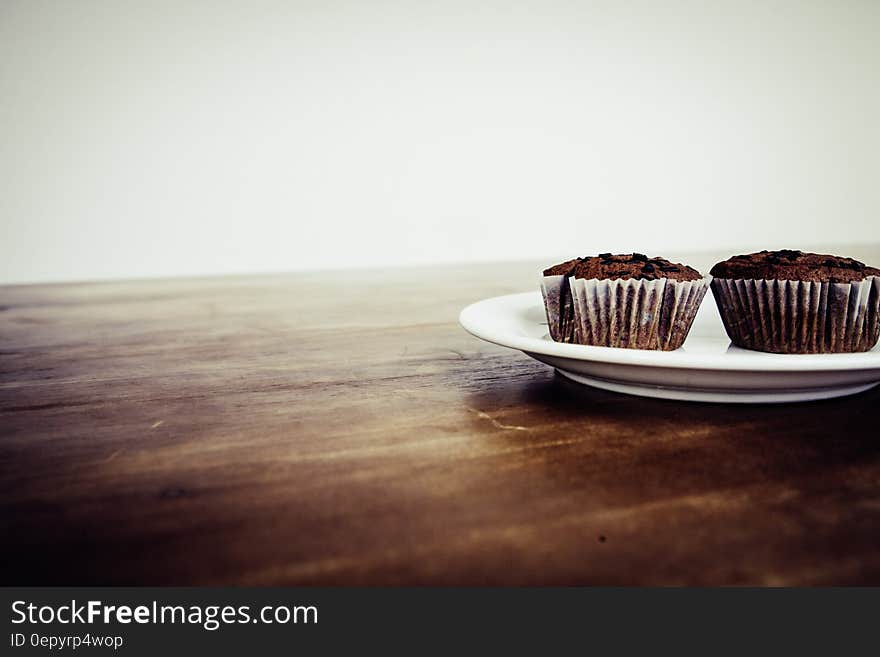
pixel 630 301
pixel 791 302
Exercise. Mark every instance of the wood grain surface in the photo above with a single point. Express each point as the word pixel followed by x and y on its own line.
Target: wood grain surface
pixel 341 428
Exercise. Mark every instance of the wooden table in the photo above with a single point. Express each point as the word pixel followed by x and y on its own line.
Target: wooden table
pixel 341 428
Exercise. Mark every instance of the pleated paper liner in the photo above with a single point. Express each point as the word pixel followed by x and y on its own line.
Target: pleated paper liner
pixel 559 307
pixel 628 313
pixel 800 317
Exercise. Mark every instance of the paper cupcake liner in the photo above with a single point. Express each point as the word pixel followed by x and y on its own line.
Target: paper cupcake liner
pixel 800 317
pixel 559 307
pixel 634 314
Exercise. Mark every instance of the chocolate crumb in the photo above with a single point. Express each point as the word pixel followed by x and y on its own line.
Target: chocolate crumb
pixel 173 493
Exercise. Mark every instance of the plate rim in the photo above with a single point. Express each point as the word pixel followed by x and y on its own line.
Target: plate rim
pixel 763 362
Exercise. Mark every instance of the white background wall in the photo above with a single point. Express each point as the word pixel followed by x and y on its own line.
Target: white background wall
pixel 154 138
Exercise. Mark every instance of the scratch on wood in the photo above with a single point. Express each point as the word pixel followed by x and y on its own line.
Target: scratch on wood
pixel 496 423
pixel 156 425
pixel 114 455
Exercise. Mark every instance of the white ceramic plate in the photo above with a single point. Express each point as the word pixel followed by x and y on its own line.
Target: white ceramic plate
pixel 707 368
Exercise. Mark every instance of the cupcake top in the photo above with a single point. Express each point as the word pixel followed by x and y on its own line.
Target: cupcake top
pixel 634 266
pixel 788 265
